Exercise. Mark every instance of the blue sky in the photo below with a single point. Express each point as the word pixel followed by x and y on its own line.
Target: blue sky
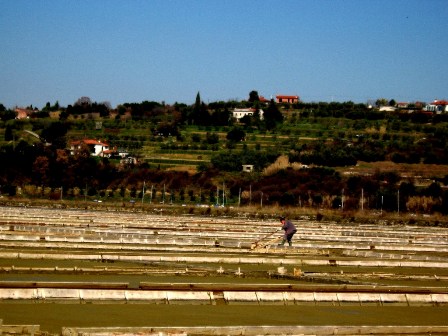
pixel 168 50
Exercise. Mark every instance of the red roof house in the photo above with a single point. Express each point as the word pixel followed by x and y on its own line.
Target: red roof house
pixel 23 113
pixel 437 106
pixel 286 99
pixel 97 148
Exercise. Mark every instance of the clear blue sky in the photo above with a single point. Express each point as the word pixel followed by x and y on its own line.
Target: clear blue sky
pixel 168 50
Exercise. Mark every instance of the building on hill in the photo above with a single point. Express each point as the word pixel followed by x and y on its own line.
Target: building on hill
pixel 419 105
pixel 248 168
pixel 24 113
pixel 402 105
pixel 96 148
pixel 437 106
pixel 286 99
pixel 239 113
pixel 115 153
pixel 410 107
pixel 387 109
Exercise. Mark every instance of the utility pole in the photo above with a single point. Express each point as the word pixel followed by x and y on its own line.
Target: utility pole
pixel 362 199
pixel 250 194
pixel 217 195
pixel 143 191
pixel 223 194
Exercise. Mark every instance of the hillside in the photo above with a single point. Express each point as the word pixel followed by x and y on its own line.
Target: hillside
pixel 189 154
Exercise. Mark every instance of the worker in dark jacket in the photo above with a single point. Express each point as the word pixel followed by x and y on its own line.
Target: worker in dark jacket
pixel 290 230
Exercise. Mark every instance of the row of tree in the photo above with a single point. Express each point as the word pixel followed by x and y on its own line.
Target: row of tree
pixel 219 113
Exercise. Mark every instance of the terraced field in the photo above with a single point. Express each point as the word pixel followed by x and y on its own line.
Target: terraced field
pixel 76 272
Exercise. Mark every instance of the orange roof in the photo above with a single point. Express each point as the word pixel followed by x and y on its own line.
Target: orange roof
pixel 290 97
pixel 23 113
pixel 89 142
pixel 440 102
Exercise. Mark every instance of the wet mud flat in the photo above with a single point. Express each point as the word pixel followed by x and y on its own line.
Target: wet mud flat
pixel 65 270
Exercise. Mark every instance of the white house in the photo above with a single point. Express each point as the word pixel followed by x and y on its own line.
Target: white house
pixel 96 148
pixel 437 106
pixel 239 113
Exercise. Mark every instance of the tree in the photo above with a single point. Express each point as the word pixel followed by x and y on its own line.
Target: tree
pixel 434 190
pixel 196 137
pixel 9 135
pixel 253 96
pixel 47 107
pixel 211 138
pixel 272 116
pixel 381 102
pixel 200 115
pixel 287 199
pixel 220 117
pixel 236 134
pixel 5 114
pixel 246 120
pixel 55 134
pixel 63 116
pixel 227 161
pixel 40 169
pixel 167 129
pixel 83 101
pixel 197 102
pixel 102 108
pixel 257 115
pixel 59 169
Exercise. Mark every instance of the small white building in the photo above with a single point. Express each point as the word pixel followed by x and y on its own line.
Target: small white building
pixel 248 168
pixel 96 148
pixel 239 113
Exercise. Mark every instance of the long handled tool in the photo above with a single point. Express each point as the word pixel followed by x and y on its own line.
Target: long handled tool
pixel 259 243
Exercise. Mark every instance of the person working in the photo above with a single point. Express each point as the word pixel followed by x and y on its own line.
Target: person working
pixel 290 230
